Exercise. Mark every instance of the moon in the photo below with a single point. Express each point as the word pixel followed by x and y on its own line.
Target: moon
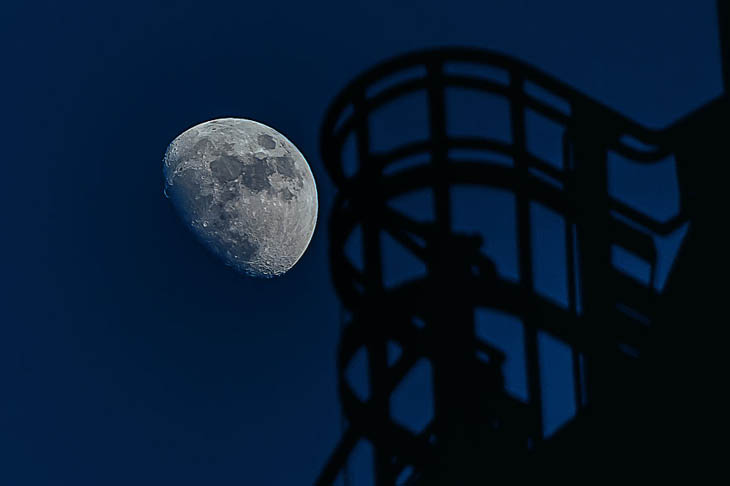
pixel 245 191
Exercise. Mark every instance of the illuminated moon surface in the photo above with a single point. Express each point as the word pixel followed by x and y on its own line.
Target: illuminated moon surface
pixel 245 191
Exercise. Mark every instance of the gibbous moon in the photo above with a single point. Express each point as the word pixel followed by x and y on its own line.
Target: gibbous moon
pixel 245 191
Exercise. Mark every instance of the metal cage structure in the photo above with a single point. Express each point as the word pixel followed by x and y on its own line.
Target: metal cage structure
pixel 606 321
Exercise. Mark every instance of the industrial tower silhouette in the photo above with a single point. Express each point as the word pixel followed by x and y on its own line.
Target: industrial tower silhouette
pixel 645 356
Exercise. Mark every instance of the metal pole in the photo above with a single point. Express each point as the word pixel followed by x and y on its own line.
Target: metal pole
pixel 723 20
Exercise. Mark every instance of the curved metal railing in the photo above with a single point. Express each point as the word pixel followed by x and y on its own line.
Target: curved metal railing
pixel 576 188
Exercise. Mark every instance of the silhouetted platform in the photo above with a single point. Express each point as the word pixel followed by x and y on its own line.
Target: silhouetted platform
pixel 638 365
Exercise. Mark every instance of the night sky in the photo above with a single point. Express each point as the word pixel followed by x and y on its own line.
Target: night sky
pixel 128 354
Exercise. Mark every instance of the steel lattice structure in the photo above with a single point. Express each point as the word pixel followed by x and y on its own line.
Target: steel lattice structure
pixel 476 422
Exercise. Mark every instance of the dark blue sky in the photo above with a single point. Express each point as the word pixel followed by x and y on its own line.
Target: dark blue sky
pixel 128 355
